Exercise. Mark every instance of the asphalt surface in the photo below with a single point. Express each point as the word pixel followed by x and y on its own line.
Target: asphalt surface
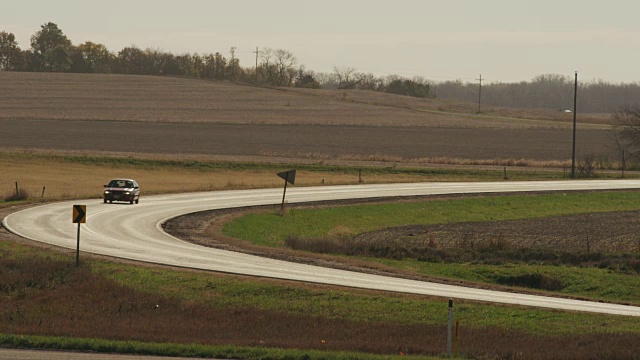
pixel 134 232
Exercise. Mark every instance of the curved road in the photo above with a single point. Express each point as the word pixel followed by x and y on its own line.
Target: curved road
pixel 134 232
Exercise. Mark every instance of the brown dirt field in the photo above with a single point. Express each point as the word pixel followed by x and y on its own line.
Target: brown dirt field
pixel 159 115
pixel 611 232
pixel 50 96
pixel 301 141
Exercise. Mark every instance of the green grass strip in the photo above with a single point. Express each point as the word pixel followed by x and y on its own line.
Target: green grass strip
pixel 228 292
pixel 175 350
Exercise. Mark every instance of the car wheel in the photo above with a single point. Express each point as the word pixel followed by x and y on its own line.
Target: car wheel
pixel 110 201
pixel 131 202
pixel 105 201
pixel 137 200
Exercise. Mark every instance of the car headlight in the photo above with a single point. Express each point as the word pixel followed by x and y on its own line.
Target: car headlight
pixel 127 193
pixel 106 191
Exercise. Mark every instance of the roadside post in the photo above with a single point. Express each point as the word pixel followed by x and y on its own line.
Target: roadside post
pixel 79 217
pixel 449 326
pixel 289 177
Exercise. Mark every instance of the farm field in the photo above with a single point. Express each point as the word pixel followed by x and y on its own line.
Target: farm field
pixel 152 115
pixel 73 132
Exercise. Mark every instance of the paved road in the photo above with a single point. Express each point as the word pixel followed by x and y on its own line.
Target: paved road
pixel 134 232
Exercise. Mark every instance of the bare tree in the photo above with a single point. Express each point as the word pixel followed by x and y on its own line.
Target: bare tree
pixel 267 68
pixel 626 129
pixel 285 63
pixel 367 81
pixel 345 77
pixel 327 81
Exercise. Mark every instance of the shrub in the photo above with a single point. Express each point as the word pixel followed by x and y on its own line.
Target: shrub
pixel 534 281
pixel 329 245
pixel 20 195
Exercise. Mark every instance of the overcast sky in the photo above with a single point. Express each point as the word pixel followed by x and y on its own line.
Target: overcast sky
pixel 504 40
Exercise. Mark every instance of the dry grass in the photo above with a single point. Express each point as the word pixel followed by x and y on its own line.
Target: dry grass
pixel 66 180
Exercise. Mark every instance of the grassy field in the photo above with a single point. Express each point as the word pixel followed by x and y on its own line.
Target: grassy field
pixel 270 229
pixel 113 307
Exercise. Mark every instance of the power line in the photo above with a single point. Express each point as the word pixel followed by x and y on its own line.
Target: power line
pixel 257 52
pixel 480 93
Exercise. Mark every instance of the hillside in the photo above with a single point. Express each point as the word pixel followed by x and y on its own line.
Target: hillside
pixel 53 96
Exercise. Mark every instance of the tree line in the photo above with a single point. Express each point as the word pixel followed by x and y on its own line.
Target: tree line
pixel 52 51
pixel 548 91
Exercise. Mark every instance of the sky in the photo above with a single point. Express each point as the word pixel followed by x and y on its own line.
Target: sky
pixel 501 40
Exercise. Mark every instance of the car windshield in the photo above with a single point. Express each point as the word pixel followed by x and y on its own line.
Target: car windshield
pixel 121 183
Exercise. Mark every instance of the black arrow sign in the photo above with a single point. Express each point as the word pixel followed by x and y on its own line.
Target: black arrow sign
pixel 79 214
pixel 288 176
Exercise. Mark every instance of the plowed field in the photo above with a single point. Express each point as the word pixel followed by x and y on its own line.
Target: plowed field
pixel 138 114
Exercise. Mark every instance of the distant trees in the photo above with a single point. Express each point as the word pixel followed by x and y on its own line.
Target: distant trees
pixel 50 47
pixel 130 60
pixel 350 79
pixel 344 77
pixel 91 58
pixel 416 88
pixel 10 54
pixel 51 50
pixel 277 67
pixel 305 79
pixel 548 91
pixel 626 129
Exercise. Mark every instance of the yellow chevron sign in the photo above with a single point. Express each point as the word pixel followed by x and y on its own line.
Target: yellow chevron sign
pixel 79 214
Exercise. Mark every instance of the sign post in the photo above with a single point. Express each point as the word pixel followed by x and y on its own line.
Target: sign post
pixel 289 177
pixel 449 325
pixel 79 217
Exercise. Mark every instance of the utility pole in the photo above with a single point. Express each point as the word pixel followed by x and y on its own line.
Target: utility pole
pixel 479 93
pixel 575 101
pixel 233 63
pixel 257 52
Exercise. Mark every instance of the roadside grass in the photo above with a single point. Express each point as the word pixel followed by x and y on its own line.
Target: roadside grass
pixel 119 308
pixel 59 176
pixel 333 230
pixel 591 283
pixel 336 303
pixel 56 176
pixel 182 350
